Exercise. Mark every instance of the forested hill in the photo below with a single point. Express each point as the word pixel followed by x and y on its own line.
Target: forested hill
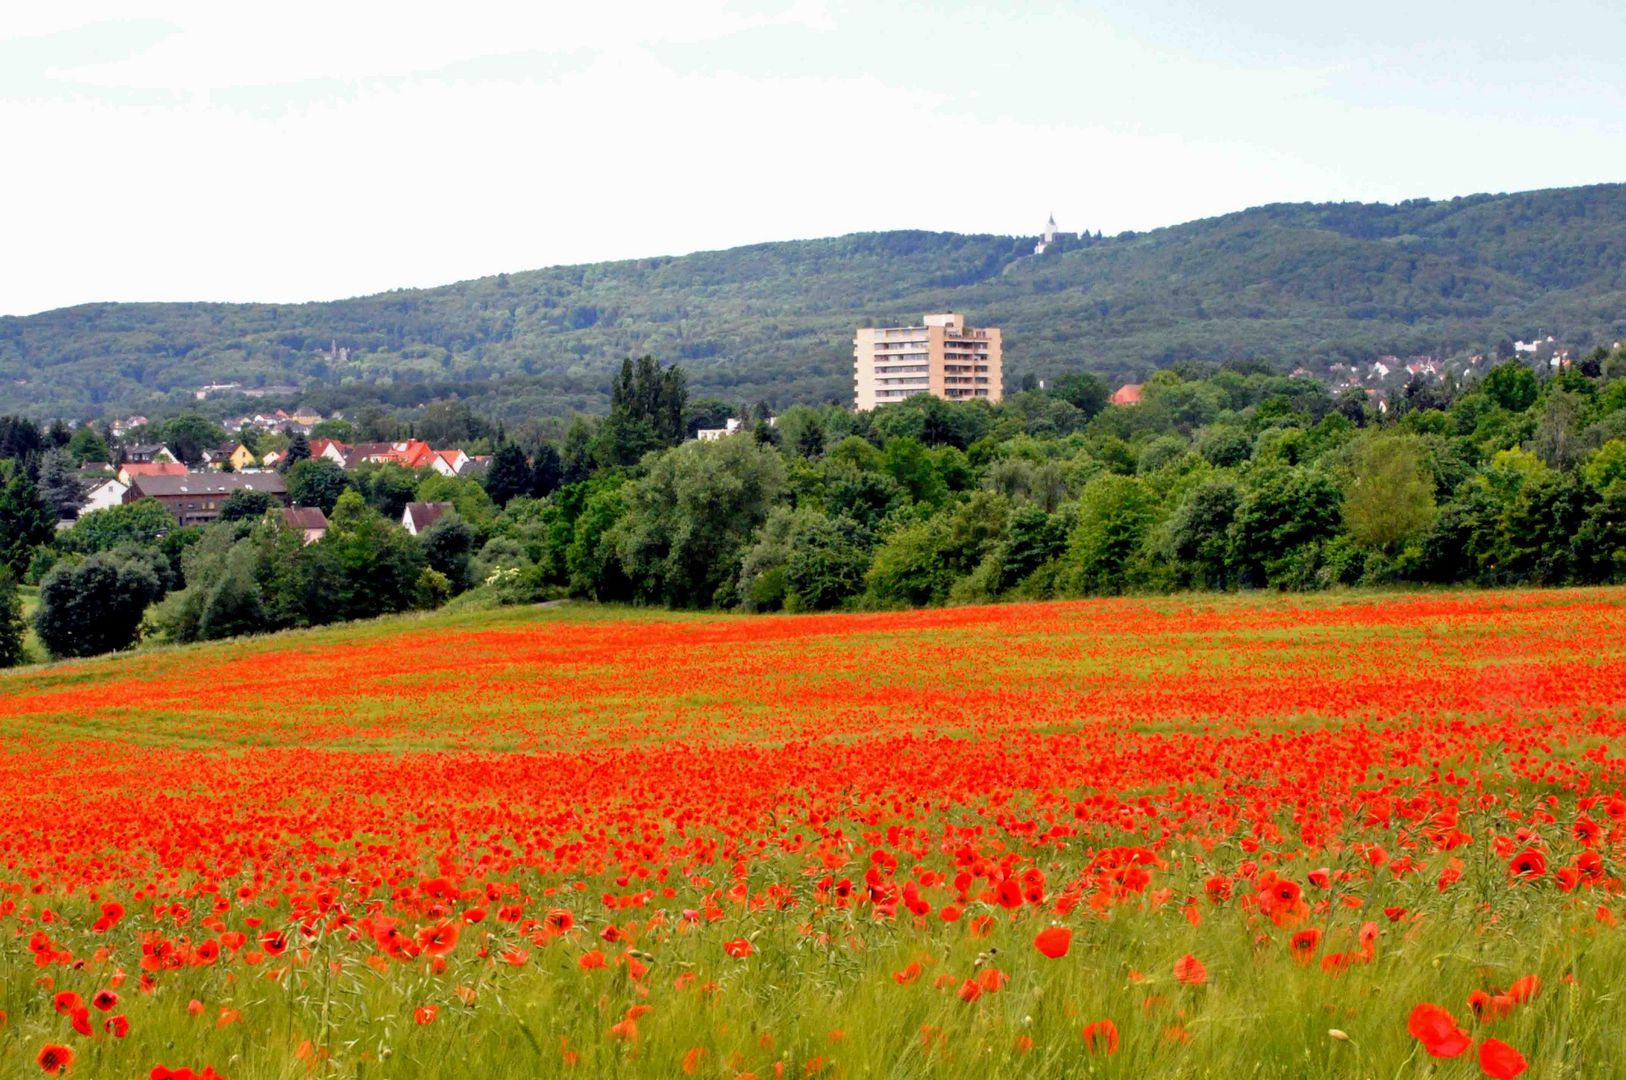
pixel 1295 283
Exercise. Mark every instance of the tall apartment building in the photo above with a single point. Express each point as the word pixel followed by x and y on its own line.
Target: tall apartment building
pixel 943 357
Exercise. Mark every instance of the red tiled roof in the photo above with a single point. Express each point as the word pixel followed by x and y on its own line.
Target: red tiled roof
pixel 155 468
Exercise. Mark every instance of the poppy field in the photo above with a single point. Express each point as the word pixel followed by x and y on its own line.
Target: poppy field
pixel 1374 835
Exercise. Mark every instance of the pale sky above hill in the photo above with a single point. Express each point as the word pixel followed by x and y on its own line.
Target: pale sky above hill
pixel 199 150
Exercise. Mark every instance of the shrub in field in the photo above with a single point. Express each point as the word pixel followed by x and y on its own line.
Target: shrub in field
pixel 12 626
pixel 96 605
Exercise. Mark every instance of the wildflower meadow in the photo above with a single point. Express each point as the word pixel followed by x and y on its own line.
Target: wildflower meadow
pixel 1369 835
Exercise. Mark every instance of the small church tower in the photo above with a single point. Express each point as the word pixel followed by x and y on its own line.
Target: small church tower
pixel 1047 237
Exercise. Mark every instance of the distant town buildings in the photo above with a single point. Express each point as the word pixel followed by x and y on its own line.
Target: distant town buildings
pixel 730 426
pixel 943 357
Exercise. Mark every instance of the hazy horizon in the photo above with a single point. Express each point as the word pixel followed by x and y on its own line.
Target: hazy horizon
pixel 174 150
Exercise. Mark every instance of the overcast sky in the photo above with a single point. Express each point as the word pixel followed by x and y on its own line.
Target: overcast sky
pixel 174 150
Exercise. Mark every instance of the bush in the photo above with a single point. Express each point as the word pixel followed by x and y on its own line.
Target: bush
pixel 246 505
pixel 95 606
pixel 826 564
pixel 908 568
pixel 12 627
pixel 448 548
pixel 1114 514
pixel 317 482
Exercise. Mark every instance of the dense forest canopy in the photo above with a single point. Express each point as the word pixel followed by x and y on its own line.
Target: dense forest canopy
pixel 1300 283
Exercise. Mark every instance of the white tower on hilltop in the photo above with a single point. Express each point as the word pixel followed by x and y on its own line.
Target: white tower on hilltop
pixel 1047 237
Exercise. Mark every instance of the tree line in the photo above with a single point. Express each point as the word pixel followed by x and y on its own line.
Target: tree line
pixel 1223 477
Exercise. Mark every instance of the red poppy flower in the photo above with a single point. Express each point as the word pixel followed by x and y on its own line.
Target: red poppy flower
pixel 1528 865
pixel 1190 970
pixel 1101 1037
pixel 425 1014
pixel 909 975
pixel 54 1058
pixel 1499 1060
pixel 117 1026
pixel 1054 941
pixel 438 940
pixel 1437 1030
pixel 739 948
pixel 104 1000
pixel 1524 988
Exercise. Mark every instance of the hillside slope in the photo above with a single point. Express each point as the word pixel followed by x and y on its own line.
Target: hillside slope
pixel 1295 283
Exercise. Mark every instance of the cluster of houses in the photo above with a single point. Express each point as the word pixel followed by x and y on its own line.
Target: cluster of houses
pixel 196 496
pixel 298 422
pixel 409 454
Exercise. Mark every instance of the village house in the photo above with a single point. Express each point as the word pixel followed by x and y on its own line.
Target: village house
pixel 449 462
pixel 1127 394
pixel 411 454
pixel 418 516
pixel 196 498
pixel 145 454
pixel 331 449
pixel 103 495
pixel 306 519
pixel 238 456
pixel 730 426
pixel 128 471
